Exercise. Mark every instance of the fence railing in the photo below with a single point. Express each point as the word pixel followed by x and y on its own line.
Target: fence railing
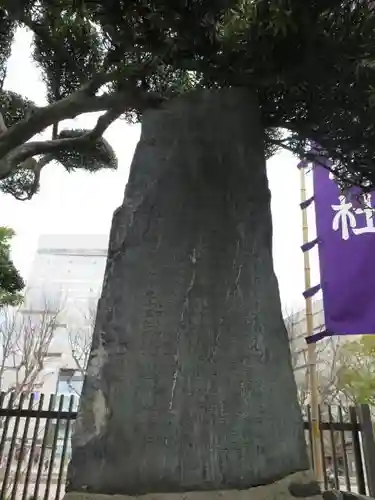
pixel 35 445
pixel 347 447
pixel 35 434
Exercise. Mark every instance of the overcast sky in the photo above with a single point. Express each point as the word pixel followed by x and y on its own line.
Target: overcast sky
pixel 83 203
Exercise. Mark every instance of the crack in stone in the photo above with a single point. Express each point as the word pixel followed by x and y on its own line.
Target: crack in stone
pixel 185 307
pixel 230 291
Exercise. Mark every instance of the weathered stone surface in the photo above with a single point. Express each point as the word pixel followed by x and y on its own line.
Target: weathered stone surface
pixel 189 383
pixel 303 490
pixel 280 490
pixel 343 495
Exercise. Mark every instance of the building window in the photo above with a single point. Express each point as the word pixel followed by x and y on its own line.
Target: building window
pixel 69 383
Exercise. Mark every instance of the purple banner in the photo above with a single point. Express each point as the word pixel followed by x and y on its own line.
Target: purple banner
pixel 346 233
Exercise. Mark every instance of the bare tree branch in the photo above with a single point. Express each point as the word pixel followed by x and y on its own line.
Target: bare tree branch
pixel 329 363
pixel 80 342
pixel 24 342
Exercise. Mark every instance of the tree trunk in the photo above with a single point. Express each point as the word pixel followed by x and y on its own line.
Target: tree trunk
pixel 189 384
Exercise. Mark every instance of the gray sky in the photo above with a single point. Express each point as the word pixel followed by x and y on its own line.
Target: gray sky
pixel 83 203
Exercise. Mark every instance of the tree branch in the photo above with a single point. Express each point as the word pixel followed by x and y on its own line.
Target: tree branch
pixel 25 340
pixel 13 143
pixel 53 146
pixel 315 159
pixel 14 146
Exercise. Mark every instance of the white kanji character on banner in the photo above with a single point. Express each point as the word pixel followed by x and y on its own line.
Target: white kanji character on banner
pixel 344 216
pixel 368 212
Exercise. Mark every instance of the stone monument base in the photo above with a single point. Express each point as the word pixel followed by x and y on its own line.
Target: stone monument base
pixel 299 485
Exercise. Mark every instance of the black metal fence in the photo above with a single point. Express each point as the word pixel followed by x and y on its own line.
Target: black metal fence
pixel 35 434
pixel 35 445
pixel 347 447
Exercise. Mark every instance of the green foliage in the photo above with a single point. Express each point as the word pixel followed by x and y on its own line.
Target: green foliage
pixel 22 184
pixel 14 107
pixel 11 282
pixel 312 65
pixel 7 26
pixel 356 376
pixel 91 157
pixel 67 47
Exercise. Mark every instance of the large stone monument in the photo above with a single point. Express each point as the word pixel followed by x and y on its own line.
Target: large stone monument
pixel 189 390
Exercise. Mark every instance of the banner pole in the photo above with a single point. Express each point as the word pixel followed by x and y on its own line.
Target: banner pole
pixel 311 348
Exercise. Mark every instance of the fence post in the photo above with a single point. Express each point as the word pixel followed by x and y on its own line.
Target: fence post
pixel 358 457
pixel 368 444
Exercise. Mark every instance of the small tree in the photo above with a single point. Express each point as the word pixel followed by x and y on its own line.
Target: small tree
pixel 11 283
pixel 24 342
pixel 80 340
pixel 356 377
pixel 328 364
pixel 80 344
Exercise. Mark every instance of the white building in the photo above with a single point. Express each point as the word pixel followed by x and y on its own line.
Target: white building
pixel 63 288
